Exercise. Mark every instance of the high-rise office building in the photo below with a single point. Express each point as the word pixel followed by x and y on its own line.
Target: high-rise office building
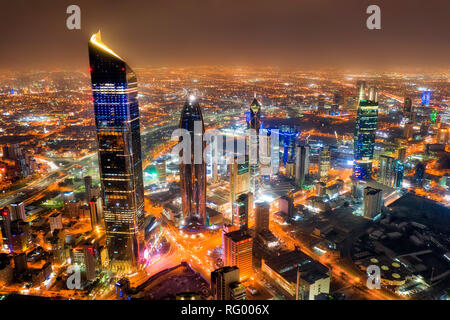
pixel 55 221
pixel 390 171
pixel 386 166
pixel 254 122
pixel 373 200
pixel 262 216
pixel 226 228
pixel 301 164
pixel 115 98
pixel 18 211
pixel 251 204
pixel 286 205
pixel 324 163
pixel 237 249
pixel 74 209
pixel 20 236
pixel 84 256
pixel 267 154
pixel 5 225
pixel 241 213
pixel 364 136
pixel 225 284
pixel 426 96
pixel 398 174
pixel 288 138
pixel 96 212
pixel 57 242
pixel 239 180
pixel 193 174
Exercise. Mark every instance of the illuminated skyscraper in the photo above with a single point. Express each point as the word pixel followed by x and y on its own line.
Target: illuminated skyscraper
pixel 237 250
pixel 193 174
pixel 364 137
pixel 398 174
pixel 324 163
pixel 114 89
pixel 5 225
pixel 386 167
pixel 18 211
pixel 254 122
pixel 239 180
pixel 426 96
pixel 96 212
pixel 390 171
pixel 373 201
pixel 240 215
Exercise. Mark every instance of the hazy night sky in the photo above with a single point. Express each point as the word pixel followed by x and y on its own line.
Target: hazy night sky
pixel 308 33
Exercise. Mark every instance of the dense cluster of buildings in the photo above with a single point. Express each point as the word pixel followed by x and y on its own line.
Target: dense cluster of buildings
pixel 274 209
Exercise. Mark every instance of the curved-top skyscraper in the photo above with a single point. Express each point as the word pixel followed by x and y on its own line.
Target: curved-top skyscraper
pixel 193 175
pixel 114 90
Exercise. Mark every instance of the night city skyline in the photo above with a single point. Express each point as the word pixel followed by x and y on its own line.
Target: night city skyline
pixel 262 154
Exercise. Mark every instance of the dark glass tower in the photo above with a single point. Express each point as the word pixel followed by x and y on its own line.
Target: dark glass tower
pixel 254 122
pixel 364 138
pixel 114 89
pixel 192 175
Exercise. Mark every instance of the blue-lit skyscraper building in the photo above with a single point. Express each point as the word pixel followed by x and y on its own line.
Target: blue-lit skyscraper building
pixel 364 136
pixel 288 137
pixel 114 90
pixel 398 174
pixel 426 96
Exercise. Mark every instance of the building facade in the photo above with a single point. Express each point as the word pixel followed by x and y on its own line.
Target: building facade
pixel 114 89
pixel 193 174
